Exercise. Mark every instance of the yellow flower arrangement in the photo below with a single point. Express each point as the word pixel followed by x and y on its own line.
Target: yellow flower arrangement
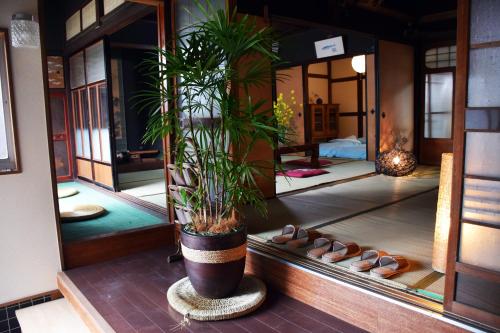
pixel 284 112
pixel 282 109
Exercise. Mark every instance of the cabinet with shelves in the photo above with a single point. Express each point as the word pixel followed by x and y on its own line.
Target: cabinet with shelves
pixel 324 121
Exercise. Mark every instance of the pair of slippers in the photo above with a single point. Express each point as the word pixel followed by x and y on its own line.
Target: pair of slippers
pixel 379 263
pixel 295 236
pixel 331 251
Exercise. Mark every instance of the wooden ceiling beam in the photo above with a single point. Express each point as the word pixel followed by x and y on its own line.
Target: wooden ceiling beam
pixel 442 16
pixel 375 7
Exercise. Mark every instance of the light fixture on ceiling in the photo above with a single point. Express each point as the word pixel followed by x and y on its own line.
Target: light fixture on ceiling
pixel 25 31
pixel 359 63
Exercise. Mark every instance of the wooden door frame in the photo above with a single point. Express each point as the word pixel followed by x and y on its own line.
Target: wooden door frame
pixel 164 11
pixel 453 265
pixel 86 87
pixel 462 71
pixel 165 30
pixel 361 81
pixel 420 140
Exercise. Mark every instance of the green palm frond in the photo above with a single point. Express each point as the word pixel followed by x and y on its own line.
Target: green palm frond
pixel 214 121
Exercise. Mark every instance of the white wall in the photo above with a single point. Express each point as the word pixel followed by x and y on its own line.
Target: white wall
pixel 29 252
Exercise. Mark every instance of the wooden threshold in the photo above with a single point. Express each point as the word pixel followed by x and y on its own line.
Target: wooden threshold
pixel 370 307
pixel 107 247
pixel 92 319
pixel 142 203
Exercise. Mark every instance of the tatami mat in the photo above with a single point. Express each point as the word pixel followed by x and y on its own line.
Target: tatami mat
pixel 435 289
pixel 405 228
pixel 145 185
pixel 157 199
pixel 341 169
pixel 128 177
pixel 333 203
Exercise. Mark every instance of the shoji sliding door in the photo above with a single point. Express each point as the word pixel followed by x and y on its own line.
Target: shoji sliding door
pixel 473 274
pixel 91 116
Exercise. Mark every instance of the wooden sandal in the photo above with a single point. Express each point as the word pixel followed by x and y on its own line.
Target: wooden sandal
pixel 389 266
pixel 304 237
pixel 369 259
pixel 288 233
pixel 321 246
pixel 341 251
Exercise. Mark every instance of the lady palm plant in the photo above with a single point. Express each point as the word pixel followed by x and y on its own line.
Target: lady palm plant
pixel 214 120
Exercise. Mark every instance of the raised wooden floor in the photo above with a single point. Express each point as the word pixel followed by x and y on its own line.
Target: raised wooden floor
pixel 107 247
pixel 361 307
pixel 130 294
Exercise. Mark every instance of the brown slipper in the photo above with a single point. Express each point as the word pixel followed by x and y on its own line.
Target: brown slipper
pixel 288 233
pixel 304 237
pixel 321 246
pixel 369 259
pixel 389 266
pixel 341 251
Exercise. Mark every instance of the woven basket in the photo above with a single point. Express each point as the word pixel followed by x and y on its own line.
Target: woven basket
pixel 249 296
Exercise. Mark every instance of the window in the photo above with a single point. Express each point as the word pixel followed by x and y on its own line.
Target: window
pixel 90 104
pixel 440 57
pixel 8 157
pixel 439 81
pixel 438 105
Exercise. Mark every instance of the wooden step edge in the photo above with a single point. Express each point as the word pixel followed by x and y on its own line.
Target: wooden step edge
pixel 90 316
pixel 358 306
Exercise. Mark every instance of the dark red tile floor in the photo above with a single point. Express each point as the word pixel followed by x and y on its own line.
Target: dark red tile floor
pixel 130 293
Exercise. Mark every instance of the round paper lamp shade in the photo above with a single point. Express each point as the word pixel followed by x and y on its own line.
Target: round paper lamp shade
pixel 442 229
pixel 358 63
pixel 396 163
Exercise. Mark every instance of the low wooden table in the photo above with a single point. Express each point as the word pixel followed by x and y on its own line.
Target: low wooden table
pixel 310 147
pixel 140 154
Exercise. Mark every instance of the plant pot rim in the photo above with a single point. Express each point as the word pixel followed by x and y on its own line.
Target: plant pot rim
pixel 241 228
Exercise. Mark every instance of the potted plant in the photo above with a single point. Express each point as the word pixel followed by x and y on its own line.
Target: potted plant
pixel 215 124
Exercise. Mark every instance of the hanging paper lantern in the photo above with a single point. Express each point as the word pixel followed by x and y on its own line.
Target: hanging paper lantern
pixel 24 31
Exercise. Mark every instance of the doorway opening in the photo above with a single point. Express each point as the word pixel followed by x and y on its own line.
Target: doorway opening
pixel 342 121
pixel 100 155
pixel 329 124
pixel 139 163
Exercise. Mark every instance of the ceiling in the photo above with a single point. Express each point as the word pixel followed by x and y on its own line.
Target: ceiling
pixel 393 19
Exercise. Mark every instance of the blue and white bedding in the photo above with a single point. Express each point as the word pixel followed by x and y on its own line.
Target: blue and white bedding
pixel 350 147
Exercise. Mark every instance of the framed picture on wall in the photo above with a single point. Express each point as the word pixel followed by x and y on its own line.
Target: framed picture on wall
pixel 55 70
pixel 9 162
pixel 329 47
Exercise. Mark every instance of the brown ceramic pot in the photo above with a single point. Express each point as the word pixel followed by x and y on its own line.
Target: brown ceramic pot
pixel 214 264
